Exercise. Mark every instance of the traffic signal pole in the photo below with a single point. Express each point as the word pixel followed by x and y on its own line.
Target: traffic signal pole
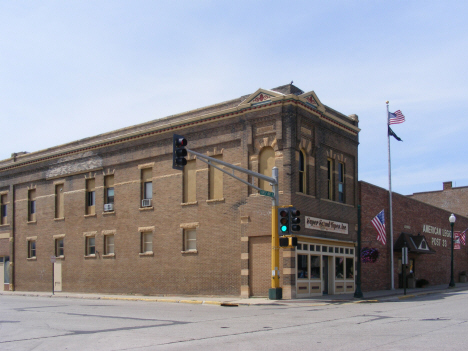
pixel 276 292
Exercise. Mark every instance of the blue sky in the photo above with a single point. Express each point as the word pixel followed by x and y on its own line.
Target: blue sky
pixel 72 69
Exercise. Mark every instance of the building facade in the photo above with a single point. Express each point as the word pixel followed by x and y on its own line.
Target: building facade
pixel 114 216
pixel 425 229
pixel 454 199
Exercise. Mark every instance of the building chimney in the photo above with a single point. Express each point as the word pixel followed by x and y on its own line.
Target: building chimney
pixel 447 185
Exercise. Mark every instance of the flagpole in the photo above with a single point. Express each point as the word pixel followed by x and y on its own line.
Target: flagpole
pixel 390 200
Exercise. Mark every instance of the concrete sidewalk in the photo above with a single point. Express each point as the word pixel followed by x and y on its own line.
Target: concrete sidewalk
pixel 369 297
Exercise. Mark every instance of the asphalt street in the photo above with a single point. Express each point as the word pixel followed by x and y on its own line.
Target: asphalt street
pixel 431 322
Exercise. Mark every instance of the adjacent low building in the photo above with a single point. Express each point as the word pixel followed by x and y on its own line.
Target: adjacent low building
pixel 451 198
pixel 426 231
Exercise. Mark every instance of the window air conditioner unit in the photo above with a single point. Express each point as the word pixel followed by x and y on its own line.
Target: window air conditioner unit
pixel 146 203
pixel 108 207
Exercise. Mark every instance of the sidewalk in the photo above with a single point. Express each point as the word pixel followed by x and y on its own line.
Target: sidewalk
pixel 369 297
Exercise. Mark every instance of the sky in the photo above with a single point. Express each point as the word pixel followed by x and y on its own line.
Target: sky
pixel 73 69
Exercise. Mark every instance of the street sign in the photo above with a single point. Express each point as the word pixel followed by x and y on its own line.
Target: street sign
pixel 267 193
pixel 52 259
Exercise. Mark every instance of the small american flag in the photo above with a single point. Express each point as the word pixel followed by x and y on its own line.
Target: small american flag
pixel 462 236
pixel 396 117
pixel 379 224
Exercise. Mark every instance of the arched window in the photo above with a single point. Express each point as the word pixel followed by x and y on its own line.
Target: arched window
pixel 302 172
pixel 265 164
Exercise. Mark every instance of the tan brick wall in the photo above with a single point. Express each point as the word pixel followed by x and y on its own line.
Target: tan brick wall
pixel 225 263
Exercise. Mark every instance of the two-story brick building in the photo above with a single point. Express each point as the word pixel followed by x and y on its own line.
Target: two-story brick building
pixel 119 219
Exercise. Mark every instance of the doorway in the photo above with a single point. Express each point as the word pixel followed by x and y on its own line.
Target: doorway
pixel 58 276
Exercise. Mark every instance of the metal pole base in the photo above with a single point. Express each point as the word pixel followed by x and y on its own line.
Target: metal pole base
pixel 275 293
pixel 358 293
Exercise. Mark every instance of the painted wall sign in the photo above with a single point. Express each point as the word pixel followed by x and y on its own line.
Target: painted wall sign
pixel 438 232
pixel 326 225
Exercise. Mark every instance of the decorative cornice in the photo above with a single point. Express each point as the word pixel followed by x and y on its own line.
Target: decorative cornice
pixel 233 112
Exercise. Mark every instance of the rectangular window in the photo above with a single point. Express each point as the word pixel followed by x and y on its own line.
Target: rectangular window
pixel 3 209
pixel 31 248
pixel 302 172
pixel 190 240
pixel 330 178
pixel 190 182
pixel 216 181
pixel 32 205
pixel 147 184
pixel 349 268
pixel 109 189
pixel 108 244
pixel 315 267
pixel 59 201
pixel 90 246
pixel 146 242
pixel 341 182
pixel 90 196
pixel 302 272
pixel 339 267
pixel 59 247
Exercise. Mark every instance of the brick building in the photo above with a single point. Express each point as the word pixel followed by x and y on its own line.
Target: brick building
pixel 119 219
pixel 453 199
pixel 426 230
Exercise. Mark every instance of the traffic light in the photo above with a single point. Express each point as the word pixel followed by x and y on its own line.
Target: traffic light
pixel 283 221
pixel 294 219
pixel 179 152
pixel 288 241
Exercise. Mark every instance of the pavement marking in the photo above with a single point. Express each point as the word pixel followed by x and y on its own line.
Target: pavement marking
pixel 191 301
pixel 405 297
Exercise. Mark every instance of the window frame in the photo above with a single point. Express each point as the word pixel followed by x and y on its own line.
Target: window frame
pixel 144 236
pixel 146 178
pixel 330 179
pixel 107 244
pixel 59 249
pixel 90 196
pixel 31 205
pixel 190 239
pixel 32 248
pixel 341 182
pixel 90 250
pixel 59 201
pixel 189 185
pixel 215 181
pixel 109 186
pixel 302 170
pixel 3 209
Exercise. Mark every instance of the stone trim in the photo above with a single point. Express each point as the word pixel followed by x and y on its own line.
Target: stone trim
pixel 192 225
pixel 146 165
pixel 86 234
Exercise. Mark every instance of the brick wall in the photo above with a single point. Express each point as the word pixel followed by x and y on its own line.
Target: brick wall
pixel 409 216
pixel 454 199
pixel 233 234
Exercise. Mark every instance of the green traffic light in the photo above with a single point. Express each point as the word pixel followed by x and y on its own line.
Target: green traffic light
pixel 284 228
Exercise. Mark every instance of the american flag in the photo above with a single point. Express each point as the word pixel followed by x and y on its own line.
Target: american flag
pixel 396 117
pixel 461 236
pixel 379 224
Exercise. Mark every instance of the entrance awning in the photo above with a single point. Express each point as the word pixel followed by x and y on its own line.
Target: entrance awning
pixel 415 244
